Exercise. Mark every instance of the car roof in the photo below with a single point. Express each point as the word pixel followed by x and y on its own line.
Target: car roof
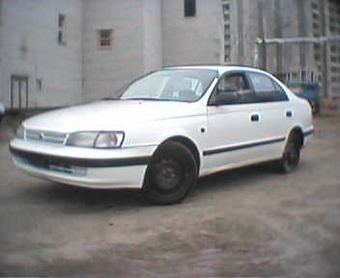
pixel 221 69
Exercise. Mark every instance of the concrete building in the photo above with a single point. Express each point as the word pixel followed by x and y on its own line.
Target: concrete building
pixel 60 52
pixel 133 46
pixel 40 52
pixel 316 60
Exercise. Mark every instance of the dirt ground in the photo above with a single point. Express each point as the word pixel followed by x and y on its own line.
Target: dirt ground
pixel 241 223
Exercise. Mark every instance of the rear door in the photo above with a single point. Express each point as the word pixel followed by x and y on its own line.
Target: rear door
pixel 276 113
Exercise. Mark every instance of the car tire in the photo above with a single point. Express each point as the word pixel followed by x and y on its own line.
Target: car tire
pixel 291 156
pixel 171 174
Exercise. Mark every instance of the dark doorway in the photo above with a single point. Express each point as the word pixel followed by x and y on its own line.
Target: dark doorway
pixel 19 91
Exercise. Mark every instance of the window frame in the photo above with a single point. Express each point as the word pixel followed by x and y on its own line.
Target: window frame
pixel 278 94
pixel 246 95
pixel 101 39
pixel 190 8
pixel 61 38
pixel 250 95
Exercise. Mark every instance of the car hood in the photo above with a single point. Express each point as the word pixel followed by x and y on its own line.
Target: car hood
pixel 110 115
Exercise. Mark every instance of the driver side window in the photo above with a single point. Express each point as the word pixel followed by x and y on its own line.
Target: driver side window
pixel 232 89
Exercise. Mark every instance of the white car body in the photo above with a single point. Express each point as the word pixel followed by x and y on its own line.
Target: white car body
pixel 222 136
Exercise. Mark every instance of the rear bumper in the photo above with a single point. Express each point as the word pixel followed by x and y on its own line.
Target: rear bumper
pixel 307 135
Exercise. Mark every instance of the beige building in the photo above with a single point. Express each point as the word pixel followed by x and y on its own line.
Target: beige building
pixel 60 52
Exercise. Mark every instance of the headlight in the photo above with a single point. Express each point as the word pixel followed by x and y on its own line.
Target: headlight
pixel 82 139
pixel 102 139
pixel 20 132
pixel 109 140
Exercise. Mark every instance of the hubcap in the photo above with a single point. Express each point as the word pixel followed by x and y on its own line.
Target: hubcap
pixel 167 175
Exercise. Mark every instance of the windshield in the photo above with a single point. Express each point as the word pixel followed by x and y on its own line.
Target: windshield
pixel 171 84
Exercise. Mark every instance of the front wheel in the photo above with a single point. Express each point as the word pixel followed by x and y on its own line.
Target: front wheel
pixel 170 175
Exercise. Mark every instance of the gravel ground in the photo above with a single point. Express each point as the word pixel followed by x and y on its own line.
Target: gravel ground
pixel 245 222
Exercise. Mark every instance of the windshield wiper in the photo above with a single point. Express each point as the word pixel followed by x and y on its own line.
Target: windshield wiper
pixel 111 98
pixel 143 98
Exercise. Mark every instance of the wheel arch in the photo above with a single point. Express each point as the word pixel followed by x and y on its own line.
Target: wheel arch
pixel 185 154
pixel 187 143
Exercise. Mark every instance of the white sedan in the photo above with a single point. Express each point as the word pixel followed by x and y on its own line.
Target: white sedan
pixel 166 129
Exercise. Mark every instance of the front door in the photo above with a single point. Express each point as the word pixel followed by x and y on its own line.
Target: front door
pixel 234 124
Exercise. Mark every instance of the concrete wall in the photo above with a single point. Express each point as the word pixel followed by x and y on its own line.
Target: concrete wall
pixel 192 40
pixel 147 34
pixel 79 70
pixel 153 54
pixel 244 30
pixel 106 70
pixel 272 19
pixel 29 47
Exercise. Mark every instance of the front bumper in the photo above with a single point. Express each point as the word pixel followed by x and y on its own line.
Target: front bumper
pixel 93 168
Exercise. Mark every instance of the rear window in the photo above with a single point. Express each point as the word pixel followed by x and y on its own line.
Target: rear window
pixel 266 89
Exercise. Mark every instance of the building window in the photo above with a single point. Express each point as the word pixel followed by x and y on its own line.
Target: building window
pixel 189 8
pixel 61 29
pixel 226 6
pixel 105 38
pixel 61 20
pixel 39 84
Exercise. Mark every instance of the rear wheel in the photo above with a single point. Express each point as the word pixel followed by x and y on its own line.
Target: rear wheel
pixel 316 109
pixel 171 174
pixel 291 155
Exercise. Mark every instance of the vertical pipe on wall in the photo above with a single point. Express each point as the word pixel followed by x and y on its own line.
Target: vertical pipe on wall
pixel 240 30
pixel 262 35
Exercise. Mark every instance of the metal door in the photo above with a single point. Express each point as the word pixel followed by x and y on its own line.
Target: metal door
pixel 19 91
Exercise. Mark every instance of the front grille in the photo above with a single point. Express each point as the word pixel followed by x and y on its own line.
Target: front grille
pixel 39 160
pixel 48 162
pixel 45 136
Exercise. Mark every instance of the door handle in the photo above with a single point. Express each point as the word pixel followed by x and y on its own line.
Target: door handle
pixel 255 117
pixel 289 114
